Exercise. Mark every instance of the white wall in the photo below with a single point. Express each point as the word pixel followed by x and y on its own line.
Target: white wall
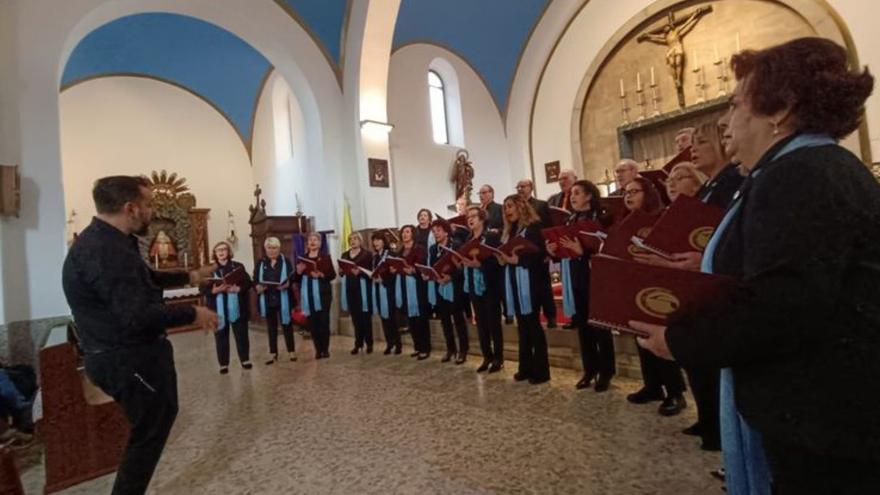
pixel 131 125
pixel 421 169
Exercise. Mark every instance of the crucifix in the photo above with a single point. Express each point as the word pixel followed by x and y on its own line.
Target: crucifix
pixel 672 36
pixel 259 205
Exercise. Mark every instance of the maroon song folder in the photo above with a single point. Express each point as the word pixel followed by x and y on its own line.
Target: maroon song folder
pixel 619 241
pixel 683 156
pixel 428 271
pixel 686 226
pixel 580 232
pixel 236 277
pixel 626 290
pixel 558 216
pixel 471 250
pixel 445 263
pixel 516 245
pixel 395 263
pixel 349 268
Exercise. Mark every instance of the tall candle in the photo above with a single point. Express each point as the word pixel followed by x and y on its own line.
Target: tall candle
pixel 622 91
pixel 157 261
pixel 638 81
pixel 652 76
pixel 738 49
pixel 185 259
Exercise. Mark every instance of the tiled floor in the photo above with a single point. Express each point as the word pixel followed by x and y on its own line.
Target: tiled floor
pixel 390 424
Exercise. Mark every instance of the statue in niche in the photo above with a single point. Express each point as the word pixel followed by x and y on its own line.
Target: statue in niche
pixel 463 176
pixel 672 35
pixel 163 250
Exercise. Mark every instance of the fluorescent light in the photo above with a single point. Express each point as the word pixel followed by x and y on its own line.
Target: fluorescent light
pixel 374 126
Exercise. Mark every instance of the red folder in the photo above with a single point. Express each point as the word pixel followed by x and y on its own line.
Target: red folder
pixel 649 293
pixel 686 226
pixel 471 250
pixel 445 264
pixel 683 156
pixel 554 234
pixel 380 270
pixel 516 245
pixel 614 206
pixel 558 216
pixel 349 268
pixel 235 277
pixel 658 179
pixel 619 241
pixel 396 263
pixel 456 222
pixel 428 271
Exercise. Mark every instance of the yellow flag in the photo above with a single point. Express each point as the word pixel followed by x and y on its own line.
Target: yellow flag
pixel 346 225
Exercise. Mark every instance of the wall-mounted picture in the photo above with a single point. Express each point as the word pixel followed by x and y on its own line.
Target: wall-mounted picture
pixel 551 170
pixel 378 172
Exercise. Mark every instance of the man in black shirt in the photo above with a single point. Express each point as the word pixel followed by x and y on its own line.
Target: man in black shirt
pixel 494 215
pixel 117 305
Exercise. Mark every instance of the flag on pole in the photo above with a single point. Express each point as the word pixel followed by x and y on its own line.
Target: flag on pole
pixel 346 224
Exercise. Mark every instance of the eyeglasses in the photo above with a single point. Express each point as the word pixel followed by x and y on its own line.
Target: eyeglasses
pixel 632 192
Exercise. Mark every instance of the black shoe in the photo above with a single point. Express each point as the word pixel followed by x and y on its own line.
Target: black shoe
pixel 496 366
pixel 644 396
pixel 508 320
pixel 224 370
pixel 423 356
pixel 326 354
pixel 520 376
pixel 484 366
pixel 569 326
pixel 272 359
pixel 692 430
pixel 369 349
pixel 415 354
pixel 461 358
pixel 355 351
pixel 551 324
pixel 319 355
pixel 719 474
pixel 585 381
pixel 447 357
pixel 602 384
pixel 672 406
pixel 247 365
pixel 387 351
pixel 398 349
pixel 538 381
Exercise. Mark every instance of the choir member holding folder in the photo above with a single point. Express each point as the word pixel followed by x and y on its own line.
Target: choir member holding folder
pixel 597 345
pixel 445 293
pixel 383 293
pixel 355 290
pixel 227 294
pixel 272 275
pixel 314 272
pixel 657 374
pixel 798 340
pixel 482 282
pixel 411 292
pixel 523 256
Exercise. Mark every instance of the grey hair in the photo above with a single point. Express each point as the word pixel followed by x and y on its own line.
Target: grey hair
pixel 272 242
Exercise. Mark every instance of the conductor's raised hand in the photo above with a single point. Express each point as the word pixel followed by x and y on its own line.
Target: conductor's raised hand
pixel 205 318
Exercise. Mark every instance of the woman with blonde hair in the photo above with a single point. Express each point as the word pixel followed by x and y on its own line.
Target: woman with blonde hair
pixel 522 287
pixel 685 179
pixel 230 301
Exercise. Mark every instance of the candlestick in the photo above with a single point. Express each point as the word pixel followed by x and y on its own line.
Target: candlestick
pixel 653 83
pixel 624 109
pixel 638 81
pixel 185 259
pixel 622 90
pixel 157 261
pixel 722 77
pixel 655 99
pixel 699 76
pixel 640 101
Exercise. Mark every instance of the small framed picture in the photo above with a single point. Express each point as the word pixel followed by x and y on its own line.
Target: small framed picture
pixel 378 172
pixel 551 170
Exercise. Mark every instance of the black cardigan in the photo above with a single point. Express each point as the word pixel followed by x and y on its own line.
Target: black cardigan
pixel 243 295
pixel 802 332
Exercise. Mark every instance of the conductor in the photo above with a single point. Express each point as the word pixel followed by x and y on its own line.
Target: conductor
pixel 116 302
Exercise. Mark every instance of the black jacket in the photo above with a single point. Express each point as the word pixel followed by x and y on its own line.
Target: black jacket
pixel 720 190
pixel 494 217
pixel 243 295
pixel 324 288
pixel 543 210
pixel 364 259
pixel 802 332
pixel 115 298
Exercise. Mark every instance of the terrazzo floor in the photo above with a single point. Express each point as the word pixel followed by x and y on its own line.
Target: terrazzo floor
pixel 391 424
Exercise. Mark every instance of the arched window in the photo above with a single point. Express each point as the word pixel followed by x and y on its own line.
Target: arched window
pixel 437 98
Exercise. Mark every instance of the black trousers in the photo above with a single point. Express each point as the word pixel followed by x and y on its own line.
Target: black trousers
pixel 487 309
pixel 363 328
pixel 319 324
pixel 272 317
pixel 659 373
pixel 597 348
pixel 420 333
pixel 143 381
pixel 548 304
pixel 390 330
pixel 796 470
pixel 242 341
pixel 706 387
pixel 533 359
pixel 450 312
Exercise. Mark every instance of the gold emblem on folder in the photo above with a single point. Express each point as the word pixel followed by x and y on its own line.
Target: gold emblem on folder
pixel 699 237
pixel 657 302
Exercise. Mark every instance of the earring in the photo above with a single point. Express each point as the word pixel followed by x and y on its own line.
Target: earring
pixel 776 128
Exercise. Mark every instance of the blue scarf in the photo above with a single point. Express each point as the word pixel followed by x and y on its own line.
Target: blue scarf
pixel 412 294
pixel 568 305
pixel 310 288
pixel 479 281
pixel 365 304
pixel 285 301
pixel 222 300
pixel 380 292
pixel 523 285
pixel 432 286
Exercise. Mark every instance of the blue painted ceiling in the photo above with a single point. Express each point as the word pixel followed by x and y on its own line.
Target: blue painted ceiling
pixel 208 60
pixel 488 34
pixel 325 19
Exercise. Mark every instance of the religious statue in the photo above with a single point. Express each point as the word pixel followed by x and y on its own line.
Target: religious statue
pixel 162 251
pixel 672 35
pixel 463 176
